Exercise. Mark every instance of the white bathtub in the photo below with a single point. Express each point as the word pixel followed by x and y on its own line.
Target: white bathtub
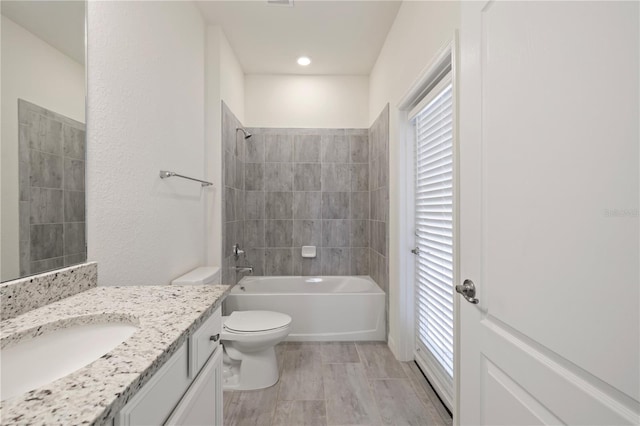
pixel 322 308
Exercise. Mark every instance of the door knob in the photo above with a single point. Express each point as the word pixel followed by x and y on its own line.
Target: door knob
pixel 468 291
pixel 416 250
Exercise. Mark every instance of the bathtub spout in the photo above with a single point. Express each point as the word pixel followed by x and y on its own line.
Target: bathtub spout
pixel 248 269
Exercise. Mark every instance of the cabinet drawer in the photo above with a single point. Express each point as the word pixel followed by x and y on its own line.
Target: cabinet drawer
pixel 204 341
pixel 158 397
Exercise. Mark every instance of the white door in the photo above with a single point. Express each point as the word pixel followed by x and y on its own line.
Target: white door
pixel 549 226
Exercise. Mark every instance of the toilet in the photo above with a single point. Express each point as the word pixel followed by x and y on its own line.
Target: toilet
pixel 248 339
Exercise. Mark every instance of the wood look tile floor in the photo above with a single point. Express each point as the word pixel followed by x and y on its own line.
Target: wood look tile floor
pixel 338 383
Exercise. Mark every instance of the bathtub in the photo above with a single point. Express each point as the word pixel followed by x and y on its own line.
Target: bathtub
pixel 322 308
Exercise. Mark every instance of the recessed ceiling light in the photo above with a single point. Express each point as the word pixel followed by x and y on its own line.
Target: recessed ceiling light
pixel 304 61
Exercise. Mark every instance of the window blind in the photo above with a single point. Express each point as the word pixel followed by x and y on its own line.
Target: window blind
pixel 433 121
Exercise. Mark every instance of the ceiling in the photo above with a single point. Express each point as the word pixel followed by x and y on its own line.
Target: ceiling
pixel 341 37
pixel 59 23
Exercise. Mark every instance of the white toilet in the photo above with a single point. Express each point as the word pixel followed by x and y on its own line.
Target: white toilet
pixel 248 339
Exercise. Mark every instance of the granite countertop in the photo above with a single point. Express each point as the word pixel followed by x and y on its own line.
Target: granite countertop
pixel 165 316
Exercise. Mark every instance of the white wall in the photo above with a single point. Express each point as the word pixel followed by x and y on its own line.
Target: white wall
pixel 306 101
pixel 36 72
pixel 224 81
pixel 420 29
pixel 145 113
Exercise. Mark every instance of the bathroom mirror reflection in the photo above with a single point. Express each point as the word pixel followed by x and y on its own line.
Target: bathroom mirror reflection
pixel 43 137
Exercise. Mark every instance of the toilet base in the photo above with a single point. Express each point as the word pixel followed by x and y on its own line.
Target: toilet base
pixel 256 370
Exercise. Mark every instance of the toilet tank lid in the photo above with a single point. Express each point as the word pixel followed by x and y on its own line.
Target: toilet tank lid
pixel 201 275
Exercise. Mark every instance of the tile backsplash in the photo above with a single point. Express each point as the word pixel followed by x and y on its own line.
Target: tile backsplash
pixel 25 294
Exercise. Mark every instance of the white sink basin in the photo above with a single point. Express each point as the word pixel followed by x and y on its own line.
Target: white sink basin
pixel 37 361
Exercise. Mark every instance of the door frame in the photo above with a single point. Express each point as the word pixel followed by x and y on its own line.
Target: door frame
pixel 405 344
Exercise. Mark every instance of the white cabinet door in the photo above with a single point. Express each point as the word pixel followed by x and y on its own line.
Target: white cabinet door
pixel 153 404
pixel 549 199
pixel 202 404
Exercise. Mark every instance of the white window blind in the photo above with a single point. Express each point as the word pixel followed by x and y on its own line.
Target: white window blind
pixel 433 121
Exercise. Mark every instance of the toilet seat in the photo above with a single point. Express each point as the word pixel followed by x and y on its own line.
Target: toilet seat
pixel 246 322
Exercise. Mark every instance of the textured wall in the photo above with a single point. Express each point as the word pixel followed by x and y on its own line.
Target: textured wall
pixel 145 113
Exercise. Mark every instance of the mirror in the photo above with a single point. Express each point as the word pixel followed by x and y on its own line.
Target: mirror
pixel 42 217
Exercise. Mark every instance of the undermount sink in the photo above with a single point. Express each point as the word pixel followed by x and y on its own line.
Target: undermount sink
pixel 37 361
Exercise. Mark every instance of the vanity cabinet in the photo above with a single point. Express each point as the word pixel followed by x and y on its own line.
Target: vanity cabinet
pixel 187 389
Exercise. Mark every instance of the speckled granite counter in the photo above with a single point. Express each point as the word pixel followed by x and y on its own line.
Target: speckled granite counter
pixel 166 316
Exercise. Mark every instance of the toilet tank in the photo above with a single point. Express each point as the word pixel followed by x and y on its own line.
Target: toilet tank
pixel 200 276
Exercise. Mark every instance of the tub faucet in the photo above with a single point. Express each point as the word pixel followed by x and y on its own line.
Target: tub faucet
pixel 248 269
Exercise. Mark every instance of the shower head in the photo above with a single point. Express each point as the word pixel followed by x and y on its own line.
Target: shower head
pixel 247 135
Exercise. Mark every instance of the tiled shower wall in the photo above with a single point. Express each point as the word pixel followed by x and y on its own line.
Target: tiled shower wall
pixel 52 192
pixel 379 190
pixel 233 195
pixel 285 188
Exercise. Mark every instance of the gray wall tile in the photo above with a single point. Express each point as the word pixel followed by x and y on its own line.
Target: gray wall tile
pixel 230 203
pixel 278 205
pixel 359 177
pixel 73 174
pixel 238 182
pixel 74 259
pixel 359 233
pixel 359 147
pixel 307 233
pixel 336 261
pixel 254 233
pixel 278 177
pixel 229 167
pixel 335 149
pixel 46 241
pixel 306 266
pixel 254 176
pixel 254 147
pixel 379 237
pixel 359 205
pixel 335 233
pixel 47 205
pixel 47 136
pixel 307 205
pixel 336 177
pixel 46 265
pixel 74 238
pixel 278 233
pixel 359 261
pixel 46 170
pixel 307 177
pixel 335 205
pixel 307 148
pixel 278 261
pixel 255 258
pixel 73 142
pixel 254 204
pixel 278 148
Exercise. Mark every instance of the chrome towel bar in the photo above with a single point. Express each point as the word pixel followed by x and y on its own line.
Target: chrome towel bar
pixel 166 174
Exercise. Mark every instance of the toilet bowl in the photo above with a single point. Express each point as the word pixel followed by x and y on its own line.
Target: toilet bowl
pixel 248 339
